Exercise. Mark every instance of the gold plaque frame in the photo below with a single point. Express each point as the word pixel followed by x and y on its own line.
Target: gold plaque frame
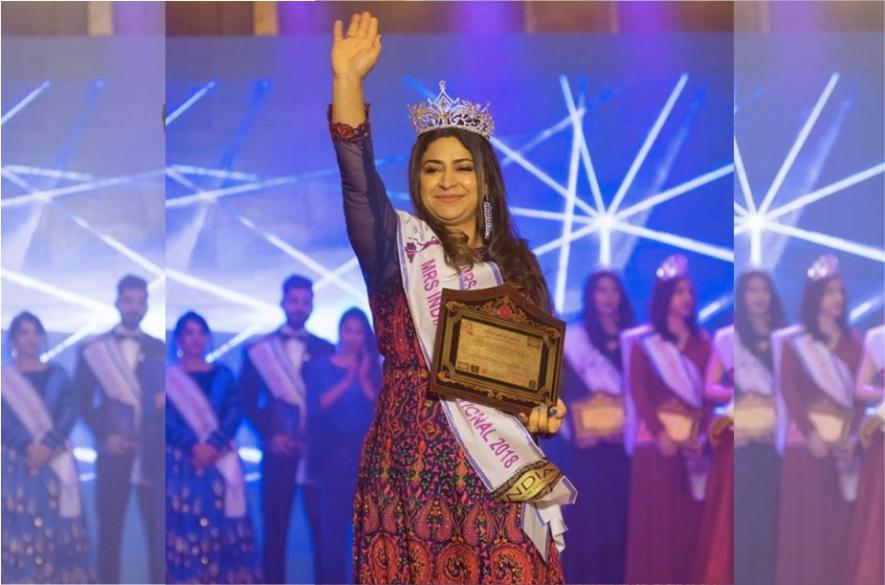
pixel 507 315
pixel 755 417
pixel 597 418
pixel 681 425
pixel 832 422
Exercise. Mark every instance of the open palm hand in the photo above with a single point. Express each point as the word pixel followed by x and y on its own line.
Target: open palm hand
pixel 354 54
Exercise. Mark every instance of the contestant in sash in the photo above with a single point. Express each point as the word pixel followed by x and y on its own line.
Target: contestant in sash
pixel 757 468
pixel 44 535
pixel 112 372
pixel 716 536
pixel 208 531
pixel 668 468
pixel 866 544
pixel 819 479
pixel 430 501
pixel 341 392
pixel 275 402
pixel 596 460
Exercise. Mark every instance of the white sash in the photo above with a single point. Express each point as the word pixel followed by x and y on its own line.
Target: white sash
pixel 778 339
pixel 723 343
pixel 677 371
pixel 190 401
pixel 481 431
pixel 631 428
pixel 282 377
pixel 750 374
pixel 595 370
pixel 113 373
pixel 828 372
pixel 27 405
pixel 874 345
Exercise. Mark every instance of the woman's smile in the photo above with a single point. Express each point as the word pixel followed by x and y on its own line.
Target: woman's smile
pixel 449 198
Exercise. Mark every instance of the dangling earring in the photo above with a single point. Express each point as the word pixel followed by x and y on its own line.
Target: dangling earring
pixel 487 217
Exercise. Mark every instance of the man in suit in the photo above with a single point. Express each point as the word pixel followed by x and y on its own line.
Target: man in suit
pixel 275 401
pixel 115 380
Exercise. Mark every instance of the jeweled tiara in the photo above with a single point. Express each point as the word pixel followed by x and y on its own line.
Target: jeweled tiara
pixel 445 112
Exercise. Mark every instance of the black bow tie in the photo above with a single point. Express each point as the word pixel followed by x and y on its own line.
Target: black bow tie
pixel 299 335
pixel 133 335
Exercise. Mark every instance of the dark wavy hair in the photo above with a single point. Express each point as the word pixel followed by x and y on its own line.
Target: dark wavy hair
pixel 590 317
pixel 196 318
pixel 19 320
pixel 742 325
pixel 661 295
pixel 809 307
pixel 506 248
pixel 370 344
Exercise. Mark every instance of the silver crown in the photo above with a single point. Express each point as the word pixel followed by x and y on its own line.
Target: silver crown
pixel 824 267
pixel 445 112
pixel 674 266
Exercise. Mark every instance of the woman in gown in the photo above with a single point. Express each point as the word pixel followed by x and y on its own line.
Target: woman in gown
pixel 209 536
pixel 44 534
pixel 422 511
pixel 666 476
pixel 757 468
pixel 865 540
pixel 595 458
pixel 342 390
pixel 716 535
pixel 817 384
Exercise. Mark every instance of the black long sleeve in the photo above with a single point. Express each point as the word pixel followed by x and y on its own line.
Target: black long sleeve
pixel 85 385
pixel 250 385
pixel 370 217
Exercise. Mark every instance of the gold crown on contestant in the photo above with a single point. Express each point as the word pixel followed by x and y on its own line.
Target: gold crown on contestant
pixel 674 266
pixel 824 267
pixel 446 112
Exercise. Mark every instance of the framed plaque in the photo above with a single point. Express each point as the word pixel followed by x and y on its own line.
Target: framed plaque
pixel 495 347
pixel 681 425
pixel 601 416
pixel 832 422
pixel 754 416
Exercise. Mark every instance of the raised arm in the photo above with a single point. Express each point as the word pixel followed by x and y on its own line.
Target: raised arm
pixel 370 217
pixel 353 56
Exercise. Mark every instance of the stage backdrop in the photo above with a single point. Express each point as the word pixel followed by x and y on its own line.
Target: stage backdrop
pixel 615 151
pixel 810 161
